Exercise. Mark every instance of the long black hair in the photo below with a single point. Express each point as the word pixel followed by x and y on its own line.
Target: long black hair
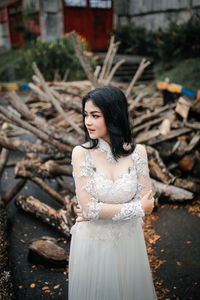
pixel 113 104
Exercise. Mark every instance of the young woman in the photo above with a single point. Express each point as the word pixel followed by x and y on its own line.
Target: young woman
pixel 108 259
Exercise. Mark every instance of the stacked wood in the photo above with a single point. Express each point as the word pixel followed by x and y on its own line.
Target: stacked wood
pixel 51 115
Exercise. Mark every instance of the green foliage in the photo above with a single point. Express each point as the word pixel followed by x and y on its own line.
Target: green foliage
pixel 51 56
pixel 186 73
pixel 134 40
pixel 176 42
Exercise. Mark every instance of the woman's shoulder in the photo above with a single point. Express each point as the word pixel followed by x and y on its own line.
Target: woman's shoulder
pixel 80 149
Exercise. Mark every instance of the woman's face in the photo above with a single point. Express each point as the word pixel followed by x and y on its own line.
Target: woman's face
pixel 95 122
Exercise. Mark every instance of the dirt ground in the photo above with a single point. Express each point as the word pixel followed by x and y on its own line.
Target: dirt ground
pixel 172 236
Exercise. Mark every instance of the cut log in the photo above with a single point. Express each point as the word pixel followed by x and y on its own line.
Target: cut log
pixel 169 136
pixel 46 251
pixel 153 114
pixel 16 144
pixel 183 107
pixel 83 60
pixel 186 163
pixel 20 172
pixel 60 219
pixel 3 159
pixel 171 192
pixel 35 131
pixel 157 167
pixel 9 195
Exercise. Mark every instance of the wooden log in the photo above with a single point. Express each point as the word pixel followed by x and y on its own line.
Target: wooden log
pixel 83 60
pixel 39 122
pixel 147 124
pixel 155 113
pixel 56 218
pixel 171 192
pixel 65 185
pixel 157 167
pixel 137 75
pixel 25 146
pixel 35 131
pixel 188 184
pixel 20 172
pixel 54 101
pixel 169 136
pixel 46 251
pixel 183 107
pixel 3 159
pixel 9 195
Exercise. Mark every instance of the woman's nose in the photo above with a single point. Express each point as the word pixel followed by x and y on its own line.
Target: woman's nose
pixel 88 120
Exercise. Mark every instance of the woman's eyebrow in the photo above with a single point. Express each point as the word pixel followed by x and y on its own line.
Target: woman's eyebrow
pixel 94 111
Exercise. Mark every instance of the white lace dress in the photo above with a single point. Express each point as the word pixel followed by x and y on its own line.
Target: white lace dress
pixel 108 259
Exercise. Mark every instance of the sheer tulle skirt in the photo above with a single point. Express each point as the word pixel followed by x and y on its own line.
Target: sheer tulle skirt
pixel 110 269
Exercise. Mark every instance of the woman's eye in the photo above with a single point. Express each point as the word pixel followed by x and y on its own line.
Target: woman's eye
pixel 95 116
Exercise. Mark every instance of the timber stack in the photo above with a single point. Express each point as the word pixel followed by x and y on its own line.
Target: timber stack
pixel 51 115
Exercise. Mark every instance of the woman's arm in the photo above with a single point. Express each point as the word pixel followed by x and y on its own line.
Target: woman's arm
pixel 90 206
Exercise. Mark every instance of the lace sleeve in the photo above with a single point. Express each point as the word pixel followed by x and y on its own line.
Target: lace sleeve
pixel 92 208
pixel 144 182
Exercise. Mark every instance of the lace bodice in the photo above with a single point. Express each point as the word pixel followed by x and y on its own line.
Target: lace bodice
pixel 107 189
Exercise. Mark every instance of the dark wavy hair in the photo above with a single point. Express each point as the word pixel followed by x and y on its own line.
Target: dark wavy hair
pixel 113 104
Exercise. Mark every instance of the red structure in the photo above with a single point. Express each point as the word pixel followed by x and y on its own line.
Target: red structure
pixel 91 19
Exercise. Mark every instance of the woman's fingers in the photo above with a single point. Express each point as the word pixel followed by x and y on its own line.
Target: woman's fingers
pixel 81 219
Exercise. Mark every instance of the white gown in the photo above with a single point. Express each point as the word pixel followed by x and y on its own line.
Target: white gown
pixel 108 258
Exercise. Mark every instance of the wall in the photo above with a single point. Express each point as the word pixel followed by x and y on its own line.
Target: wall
pixel 153 14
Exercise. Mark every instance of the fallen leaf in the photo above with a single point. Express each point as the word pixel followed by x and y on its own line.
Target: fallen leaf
pixel 56 286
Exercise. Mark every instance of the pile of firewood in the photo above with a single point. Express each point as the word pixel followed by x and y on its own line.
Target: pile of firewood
pixel 51 116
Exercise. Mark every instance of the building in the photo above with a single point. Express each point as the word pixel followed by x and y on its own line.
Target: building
pixel 49 19
pixel 92 19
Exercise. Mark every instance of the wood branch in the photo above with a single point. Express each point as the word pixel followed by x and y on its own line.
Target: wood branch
pixel 20 106
pixel 169 136
pixel 134 102
pixel 3 159
pixel 97 71
pixel 147 124
pixel 114 69
pixel 9 195
pixel 157 167
pixel 190 185
pixel 54 169
pixel 56 218
pixel 16 144
pixel 145 117
pixel 20 172
pixel 54 101
pixel 137 75
pixel 39 122
pixel 110 61
pixel 194 141
pixel 35 131
pixel 105 63
pixel 38 91
pixel 194 125
pixel 65 185
pixel 171 192
pixel 83 60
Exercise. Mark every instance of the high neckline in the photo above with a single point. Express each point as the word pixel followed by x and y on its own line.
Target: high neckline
pixel 105 147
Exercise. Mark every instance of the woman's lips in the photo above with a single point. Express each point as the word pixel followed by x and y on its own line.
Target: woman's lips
pixel 91 130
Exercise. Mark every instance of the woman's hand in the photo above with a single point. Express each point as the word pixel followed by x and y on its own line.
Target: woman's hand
pixel 80 218
pixel 147 203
